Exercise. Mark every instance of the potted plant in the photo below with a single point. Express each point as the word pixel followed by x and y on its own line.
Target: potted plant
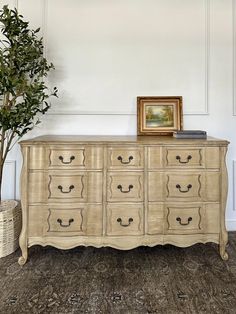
pixel 23 91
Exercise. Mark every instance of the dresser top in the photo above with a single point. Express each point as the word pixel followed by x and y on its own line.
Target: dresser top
pixel 152 140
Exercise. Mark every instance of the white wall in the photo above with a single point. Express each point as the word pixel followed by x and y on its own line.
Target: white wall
pixel 107 52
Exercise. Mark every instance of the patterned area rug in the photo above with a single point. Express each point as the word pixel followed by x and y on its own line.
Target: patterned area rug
pixel 166 280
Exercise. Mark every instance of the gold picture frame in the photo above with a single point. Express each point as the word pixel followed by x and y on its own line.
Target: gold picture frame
pixel 159 115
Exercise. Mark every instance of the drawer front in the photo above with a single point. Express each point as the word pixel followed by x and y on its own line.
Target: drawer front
pixel 125 157
pixel 66 221
pixel 67 187
pixel 79 157
pixel 124 220
pixel 192 218
pixel 185 157
pixel 184 186
pixel 126 186
pixel 184 219
pixel 43 220
pixel 70 157
pixel 189 186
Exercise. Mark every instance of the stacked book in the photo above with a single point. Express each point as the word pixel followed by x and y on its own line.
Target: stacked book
pixel 190 134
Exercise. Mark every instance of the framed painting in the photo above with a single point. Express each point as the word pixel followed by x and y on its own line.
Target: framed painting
pixel 159 115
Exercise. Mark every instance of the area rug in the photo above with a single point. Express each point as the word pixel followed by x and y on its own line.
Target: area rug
pixel 166 280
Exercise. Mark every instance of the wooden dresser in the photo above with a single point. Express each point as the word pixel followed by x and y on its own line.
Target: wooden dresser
pixel 122 192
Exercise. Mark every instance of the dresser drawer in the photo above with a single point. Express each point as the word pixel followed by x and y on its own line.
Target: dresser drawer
pixel 192 218
pixel 125 186
pixel 76 157
pixel 65 220
pixel 198 186
pixel 124 220
pixel 64 157
pixel 125 157
pixel 70 220
pixel 184 157
pixel 184 186
pixel 65 186
pixel 188 186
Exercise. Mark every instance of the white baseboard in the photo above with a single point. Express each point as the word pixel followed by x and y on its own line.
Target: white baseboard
pixel 231 225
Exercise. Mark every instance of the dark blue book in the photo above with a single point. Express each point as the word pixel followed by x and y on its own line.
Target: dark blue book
pixel 190 134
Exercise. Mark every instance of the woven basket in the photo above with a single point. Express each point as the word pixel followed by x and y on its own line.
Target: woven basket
pixel 10 226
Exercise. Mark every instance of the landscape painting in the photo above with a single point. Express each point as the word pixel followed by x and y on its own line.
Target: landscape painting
pixel 159 115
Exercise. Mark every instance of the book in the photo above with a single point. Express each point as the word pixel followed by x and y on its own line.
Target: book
pixel 190 134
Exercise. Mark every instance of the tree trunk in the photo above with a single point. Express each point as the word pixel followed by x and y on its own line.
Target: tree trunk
pixel 1 174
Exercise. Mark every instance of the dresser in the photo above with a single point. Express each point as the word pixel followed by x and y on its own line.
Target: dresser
pixel 123 192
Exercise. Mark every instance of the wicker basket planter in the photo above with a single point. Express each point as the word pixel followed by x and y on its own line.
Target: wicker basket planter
pixel 10 226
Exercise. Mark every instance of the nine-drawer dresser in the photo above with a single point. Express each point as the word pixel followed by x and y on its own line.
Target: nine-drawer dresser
pixel 122 192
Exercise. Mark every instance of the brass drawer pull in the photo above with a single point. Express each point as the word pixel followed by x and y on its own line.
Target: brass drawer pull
pixel 71 187
pixel 65 226
pixel 125 162
pixel 182 223
pixel 61 158
pixel 127 191
pixel 184 162
pixel 183 191
pixel 125 225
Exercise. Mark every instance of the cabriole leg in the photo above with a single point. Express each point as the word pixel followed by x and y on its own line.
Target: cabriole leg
pixel 24 250
pixel 222 246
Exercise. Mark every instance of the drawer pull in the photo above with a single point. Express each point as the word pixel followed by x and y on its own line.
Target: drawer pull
pixel 125 162
pixel 126 191
pixel 65 226
pixel 183 191
pixel 184 162
pixel 182 223
pixel 71 187
pixel 125 225
pixel 61 158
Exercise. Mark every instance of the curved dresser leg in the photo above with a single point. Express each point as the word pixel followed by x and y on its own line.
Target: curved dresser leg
pixel 223 242
pixel 23 259
pixel 24 250
pixel 224 190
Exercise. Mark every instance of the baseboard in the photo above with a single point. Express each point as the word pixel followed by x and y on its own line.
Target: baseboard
pixel 231 225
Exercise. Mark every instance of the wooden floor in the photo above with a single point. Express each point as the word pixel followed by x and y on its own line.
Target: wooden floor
pixel 166 280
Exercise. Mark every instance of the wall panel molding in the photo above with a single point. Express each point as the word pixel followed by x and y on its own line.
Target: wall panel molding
pixel 207 60
pixel 9 180
pixel 234 185
pixel 44 25
pixel 205 111
pixel 234 55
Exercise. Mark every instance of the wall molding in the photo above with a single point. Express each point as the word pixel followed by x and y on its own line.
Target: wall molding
pixel 206 76
pixel 234 185
pixel 9 180
pixel 207 61
pixel 234 55
pixel 44 26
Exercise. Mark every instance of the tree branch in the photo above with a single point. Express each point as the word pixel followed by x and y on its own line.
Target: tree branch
pixel 7 148
pixel 2 147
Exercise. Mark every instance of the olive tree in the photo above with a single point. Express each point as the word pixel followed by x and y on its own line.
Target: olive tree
pixel 23 91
